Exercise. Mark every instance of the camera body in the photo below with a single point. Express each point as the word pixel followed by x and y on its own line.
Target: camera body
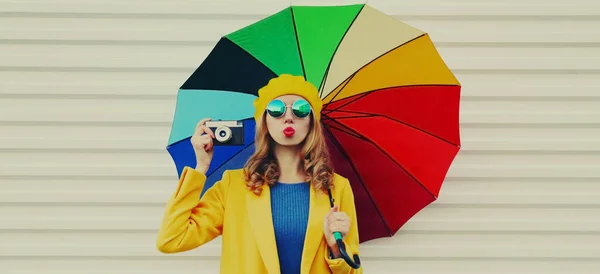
pixel 227 132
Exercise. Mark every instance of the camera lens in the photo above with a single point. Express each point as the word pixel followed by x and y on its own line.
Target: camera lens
pixel 223 134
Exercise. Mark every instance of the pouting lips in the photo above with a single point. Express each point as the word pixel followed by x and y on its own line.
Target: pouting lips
pixel 289 131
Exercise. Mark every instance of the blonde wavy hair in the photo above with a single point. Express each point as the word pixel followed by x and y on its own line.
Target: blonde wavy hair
pixel 262 166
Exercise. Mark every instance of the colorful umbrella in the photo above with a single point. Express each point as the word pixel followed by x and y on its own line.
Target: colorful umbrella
pixel 391 109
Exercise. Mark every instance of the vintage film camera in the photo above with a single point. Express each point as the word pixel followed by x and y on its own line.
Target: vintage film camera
pixel 227 132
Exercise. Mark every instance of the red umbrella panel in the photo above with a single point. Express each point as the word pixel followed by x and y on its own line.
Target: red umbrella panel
pixel 390 144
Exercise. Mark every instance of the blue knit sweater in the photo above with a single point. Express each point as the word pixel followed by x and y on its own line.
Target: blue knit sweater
pixel 290 205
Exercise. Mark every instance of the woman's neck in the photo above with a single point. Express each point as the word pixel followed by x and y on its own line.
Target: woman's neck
pixel 288 160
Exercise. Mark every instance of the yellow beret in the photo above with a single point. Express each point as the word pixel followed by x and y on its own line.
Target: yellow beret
pixel 287 84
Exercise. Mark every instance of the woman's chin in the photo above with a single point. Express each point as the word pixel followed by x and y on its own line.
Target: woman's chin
pixel 288 141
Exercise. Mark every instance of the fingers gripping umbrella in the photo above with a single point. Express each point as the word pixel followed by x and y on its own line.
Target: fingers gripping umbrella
pixel 391 110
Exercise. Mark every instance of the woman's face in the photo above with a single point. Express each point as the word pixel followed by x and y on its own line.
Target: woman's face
pixel 288 129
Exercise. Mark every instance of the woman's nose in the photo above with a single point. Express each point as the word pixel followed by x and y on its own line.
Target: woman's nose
pixel 288 116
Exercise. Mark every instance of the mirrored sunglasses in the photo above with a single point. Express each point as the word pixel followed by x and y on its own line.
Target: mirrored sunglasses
pixel 300 108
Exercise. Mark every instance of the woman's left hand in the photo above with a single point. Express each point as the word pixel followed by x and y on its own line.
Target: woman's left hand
pixel 335 221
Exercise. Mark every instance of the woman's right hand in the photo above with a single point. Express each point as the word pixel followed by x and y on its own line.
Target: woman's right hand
pixel 202 141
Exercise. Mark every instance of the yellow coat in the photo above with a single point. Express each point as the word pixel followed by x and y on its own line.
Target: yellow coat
pixel 244 221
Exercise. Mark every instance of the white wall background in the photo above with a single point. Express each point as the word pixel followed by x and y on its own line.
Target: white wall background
pixel 87 90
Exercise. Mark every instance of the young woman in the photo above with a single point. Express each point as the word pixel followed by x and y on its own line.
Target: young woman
pixel 274 215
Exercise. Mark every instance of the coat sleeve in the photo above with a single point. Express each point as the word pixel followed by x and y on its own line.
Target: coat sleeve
pixel 351 241
pixel 188 221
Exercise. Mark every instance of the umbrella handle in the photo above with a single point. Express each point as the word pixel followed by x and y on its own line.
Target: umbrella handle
pixel 341 246
pixel 354 264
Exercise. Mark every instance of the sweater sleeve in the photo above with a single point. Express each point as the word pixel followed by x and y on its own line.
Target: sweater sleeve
pixel 188 221
pixel 351 241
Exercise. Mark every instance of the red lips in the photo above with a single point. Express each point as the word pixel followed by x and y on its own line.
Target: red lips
pixel 289 131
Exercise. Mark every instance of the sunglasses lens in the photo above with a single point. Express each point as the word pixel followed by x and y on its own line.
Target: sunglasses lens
pixel 301 108
pixel 276 108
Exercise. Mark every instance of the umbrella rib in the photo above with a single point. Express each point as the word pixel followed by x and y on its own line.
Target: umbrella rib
pixel 322 85
pixel 253 57
pixel 298 42
pixel 349 131
pixel 351 100
pixel 354 134
pixel 345 83
pixel 327 117
pixel 232 156
pixel 370 62
pixel 359 96
pixel 395 120
pixel 360 180
pixel 394 161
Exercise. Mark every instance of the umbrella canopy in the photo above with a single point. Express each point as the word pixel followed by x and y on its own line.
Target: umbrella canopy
pixel 391 110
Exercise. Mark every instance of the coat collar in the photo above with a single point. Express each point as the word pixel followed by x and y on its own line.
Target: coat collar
pixel 260 215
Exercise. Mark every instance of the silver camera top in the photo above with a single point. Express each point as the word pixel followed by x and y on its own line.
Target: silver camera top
pixel 222 129
pixel 219 123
